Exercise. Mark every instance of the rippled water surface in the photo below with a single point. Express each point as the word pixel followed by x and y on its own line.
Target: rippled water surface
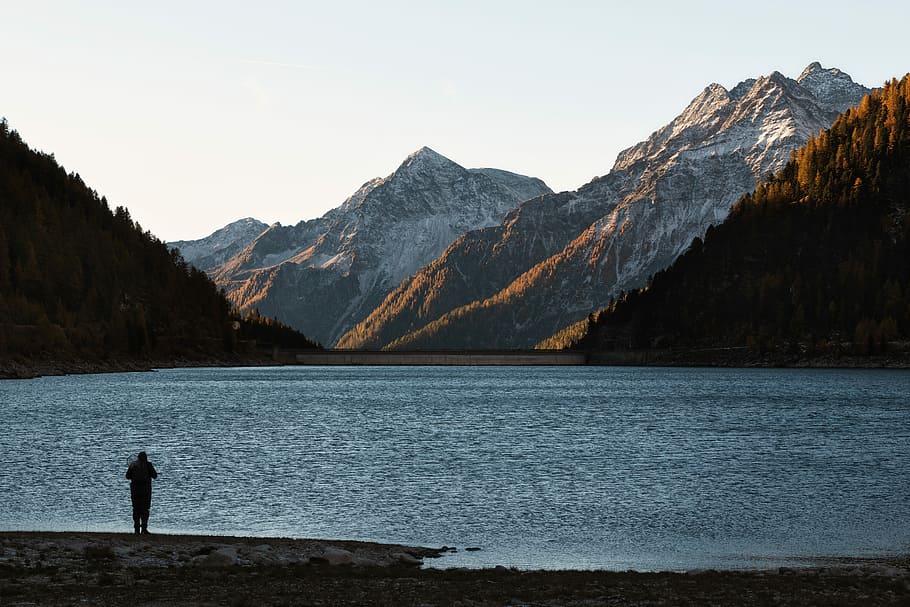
pixel 539 467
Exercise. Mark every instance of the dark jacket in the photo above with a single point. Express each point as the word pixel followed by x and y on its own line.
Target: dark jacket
pixel 140 474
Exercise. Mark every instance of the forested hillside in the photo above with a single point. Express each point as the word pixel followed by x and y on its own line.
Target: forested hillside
pixel 81 282
pixel 815 262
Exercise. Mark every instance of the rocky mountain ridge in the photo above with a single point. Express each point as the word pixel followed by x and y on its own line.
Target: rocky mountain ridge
pixel 325 275
pixel 222 244
pixel 558 258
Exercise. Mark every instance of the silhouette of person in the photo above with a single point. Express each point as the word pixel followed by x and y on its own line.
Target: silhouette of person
pixel 141 472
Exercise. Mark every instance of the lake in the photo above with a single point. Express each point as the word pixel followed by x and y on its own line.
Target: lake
pixel 539 467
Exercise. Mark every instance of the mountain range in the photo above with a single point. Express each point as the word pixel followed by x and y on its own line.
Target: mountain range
pixel 556 259
pixel 324 275
pixel 436 256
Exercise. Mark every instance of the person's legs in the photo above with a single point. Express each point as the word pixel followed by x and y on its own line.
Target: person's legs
pixel 134 499
pixel 144 513
pixel 141 500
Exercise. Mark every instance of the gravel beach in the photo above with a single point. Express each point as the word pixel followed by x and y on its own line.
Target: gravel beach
pixel 42 568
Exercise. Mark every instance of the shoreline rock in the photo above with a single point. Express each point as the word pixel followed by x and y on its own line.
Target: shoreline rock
pixel 28 549
pixel 107 569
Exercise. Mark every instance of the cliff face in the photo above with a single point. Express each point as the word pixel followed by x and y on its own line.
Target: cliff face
pixel 556 259
pixel 325 275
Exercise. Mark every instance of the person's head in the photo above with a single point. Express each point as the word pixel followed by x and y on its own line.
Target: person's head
pixel 142 456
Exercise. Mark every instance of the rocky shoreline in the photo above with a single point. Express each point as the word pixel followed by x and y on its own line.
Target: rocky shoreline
pixel 69 550
pixel 123 569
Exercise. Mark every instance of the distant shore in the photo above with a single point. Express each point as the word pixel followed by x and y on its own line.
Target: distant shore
pixel 446 358
pixel 32 368
pixel 705 357
pixel 702 357
pixel 124 569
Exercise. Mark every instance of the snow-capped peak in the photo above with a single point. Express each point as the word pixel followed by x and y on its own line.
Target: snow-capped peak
pixel 815 68
pixel 221 244
pixel 426 151
pixel 752 117
pixel 832 86
pixel 426 159
pixel 233 229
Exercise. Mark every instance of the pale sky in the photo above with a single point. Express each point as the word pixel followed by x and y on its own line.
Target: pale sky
pixel 196 114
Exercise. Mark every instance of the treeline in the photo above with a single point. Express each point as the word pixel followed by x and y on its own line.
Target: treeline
pixel 79 280
pixel 815 261
pixel 270 332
